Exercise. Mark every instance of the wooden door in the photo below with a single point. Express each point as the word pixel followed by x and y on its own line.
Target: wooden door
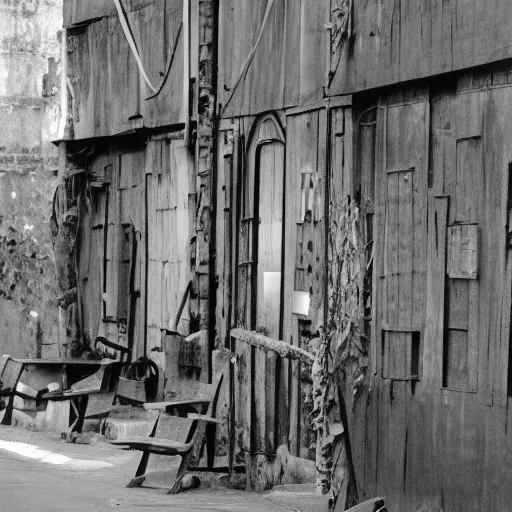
pixel 463 183
pixel 304 258
pixel 260 229
pixel 123 304
pixel 270 238
pixel 401 185
pixel 259 294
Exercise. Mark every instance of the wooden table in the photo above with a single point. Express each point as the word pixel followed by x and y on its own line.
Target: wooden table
pixel 69 371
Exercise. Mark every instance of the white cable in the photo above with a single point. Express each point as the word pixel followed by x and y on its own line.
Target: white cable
pixel 131 42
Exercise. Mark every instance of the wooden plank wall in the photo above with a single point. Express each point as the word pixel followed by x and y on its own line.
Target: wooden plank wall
pixel 442 442
pixel 475 174
pixel 259 427
pixel 107 87
pixel 286 69
pixel 91 253
pixel 304 254
pixel 109 212
pixel 81 11
pixel 229 158
pixel 226 238
pixel 391 42
pixel 401 216
pixel 168 168
pixel 440 439
pixel 152 188
pixel 346 179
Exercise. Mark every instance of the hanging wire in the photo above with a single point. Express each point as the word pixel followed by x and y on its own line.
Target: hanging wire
pixel 248 60
pixel 125 25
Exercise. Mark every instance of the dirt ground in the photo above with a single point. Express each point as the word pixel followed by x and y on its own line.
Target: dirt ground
pixel 29 484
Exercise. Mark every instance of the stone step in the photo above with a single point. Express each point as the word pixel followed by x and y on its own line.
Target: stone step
pixel 121 428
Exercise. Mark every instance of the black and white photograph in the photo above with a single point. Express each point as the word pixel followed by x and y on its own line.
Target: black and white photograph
pixel 256 255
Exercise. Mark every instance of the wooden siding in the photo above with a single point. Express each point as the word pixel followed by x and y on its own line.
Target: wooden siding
pixel 111 212
pixel 167 173
pixel 91 257
pixel 149 192
pixel 289 64
pixel 109 93
pixel 81 11
pixel 77 12
pixel 392 41
pixel 436 442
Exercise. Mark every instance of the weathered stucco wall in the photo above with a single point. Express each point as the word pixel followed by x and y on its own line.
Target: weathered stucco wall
pixel 30 115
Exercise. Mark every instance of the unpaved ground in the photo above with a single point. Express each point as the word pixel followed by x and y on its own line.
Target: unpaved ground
pixel 30 485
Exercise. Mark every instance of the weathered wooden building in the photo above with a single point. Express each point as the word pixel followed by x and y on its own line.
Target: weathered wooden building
pixel 128 176
pixel 335 175
pixel 364 158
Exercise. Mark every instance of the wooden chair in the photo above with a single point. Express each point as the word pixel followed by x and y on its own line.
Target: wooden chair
pixel 98 384
pixel 124 352
pixel 99 391
pixel 190 449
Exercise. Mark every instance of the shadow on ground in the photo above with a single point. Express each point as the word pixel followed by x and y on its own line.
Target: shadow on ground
pixel 34 486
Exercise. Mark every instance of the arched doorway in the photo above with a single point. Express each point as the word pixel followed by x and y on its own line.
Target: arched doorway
pixel 261 229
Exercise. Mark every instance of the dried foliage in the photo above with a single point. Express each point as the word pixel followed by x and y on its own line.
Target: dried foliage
pixel 346 287
pixel 343 342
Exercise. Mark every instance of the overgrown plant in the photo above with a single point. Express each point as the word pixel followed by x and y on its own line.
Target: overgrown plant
pixel 343 344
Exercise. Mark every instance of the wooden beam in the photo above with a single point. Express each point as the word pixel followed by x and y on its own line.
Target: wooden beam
pixel 280 347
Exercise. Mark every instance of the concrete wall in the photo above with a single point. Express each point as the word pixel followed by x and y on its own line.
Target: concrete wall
pixel 29 119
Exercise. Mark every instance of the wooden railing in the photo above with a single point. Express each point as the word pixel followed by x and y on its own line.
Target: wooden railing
pixel 266 376
pixel 268 344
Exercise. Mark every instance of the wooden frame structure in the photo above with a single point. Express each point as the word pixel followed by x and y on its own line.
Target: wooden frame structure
pixel 360 151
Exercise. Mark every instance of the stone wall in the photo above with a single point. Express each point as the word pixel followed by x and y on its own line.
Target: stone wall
pixel 30 113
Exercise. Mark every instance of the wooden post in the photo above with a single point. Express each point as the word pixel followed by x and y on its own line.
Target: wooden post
pixel 64 230
pixel 205 184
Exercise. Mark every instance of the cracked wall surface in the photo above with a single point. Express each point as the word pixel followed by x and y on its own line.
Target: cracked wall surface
pixel 30 115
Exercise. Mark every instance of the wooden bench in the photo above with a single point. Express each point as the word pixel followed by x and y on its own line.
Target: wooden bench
pixel 189 448
pixel 78 400
pixel 37 373
pixel 98 385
